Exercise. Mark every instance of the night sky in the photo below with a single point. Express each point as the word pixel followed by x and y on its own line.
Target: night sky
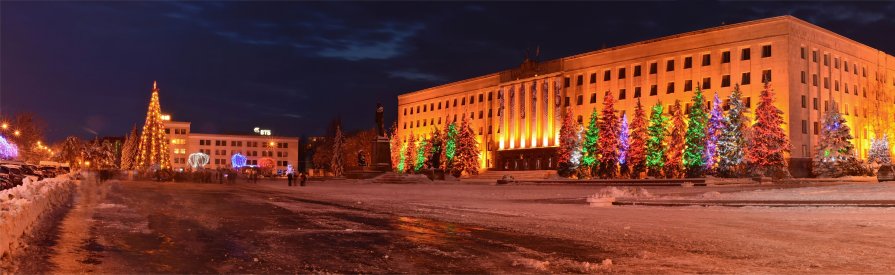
pixel 88 67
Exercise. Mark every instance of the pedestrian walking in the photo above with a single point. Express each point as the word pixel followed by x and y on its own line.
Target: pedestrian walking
pixel 303 178
pixel 289 178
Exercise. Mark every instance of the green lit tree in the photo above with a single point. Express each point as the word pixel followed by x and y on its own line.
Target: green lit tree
pixel 589 147
pixel 450 145
pixel 694 153
pixel 655 144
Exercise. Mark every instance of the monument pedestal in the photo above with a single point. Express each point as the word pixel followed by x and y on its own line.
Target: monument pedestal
pixel 381 155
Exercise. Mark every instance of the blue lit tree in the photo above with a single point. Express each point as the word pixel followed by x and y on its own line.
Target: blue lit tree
pixel 835 153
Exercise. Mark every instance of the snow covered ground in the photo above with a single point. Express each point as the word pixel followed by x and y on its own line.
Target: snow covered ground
pixel 22 207
pixel 867 191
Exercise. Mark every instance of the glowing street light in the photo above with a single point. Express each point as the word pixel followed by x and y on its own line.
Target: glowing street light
pixel 16 133
pixel 4 126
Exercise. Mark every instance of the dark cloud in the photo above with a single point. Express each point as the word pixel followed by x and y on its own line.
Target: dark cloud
pixel 293 66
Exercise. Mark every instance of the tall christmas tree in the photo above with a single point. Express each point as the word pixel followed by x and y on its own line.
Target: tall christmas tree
pixel 153 151
pixel 637 149
pixel 713 134
pixel 410 155
pixel 623 147
pixel 734 137
pixel 769 144
pixel 467 155
pixel 589 146
pixel 879 151
pixel 674 167
pixel 608 146
pixel 129 150
pixel 655 144
pixel 694 152
pixel 450 145
pixel 568 154
pixel 338 163
pixel 395 149
pixel 835 154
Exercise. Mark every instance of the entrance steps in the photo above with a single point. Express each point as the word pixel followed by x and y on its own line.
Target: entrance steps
pixel 492 175
pixel 395 178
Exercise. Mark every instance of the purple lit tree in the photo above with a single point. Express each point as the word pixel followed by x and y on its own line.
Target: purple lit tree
pixel 713 133
pixel 623 146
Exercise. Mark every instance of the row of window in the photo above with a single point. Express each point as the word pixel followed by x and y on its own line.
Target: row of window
pixel 238 143
pixel 815 105
pixel 248 162
pixel 745 54
pixel 447 104
pixel 826 61
pixel 177 131
pixel 815 82
pixel 816 126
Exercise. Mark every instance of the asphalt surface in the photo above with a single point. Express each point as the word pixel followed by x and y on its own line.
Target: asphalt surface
pixel 148 227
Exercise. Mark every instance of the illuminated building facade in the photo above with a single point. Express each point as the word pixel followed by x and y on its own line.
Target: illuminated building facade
pixel 517 113
pixel 220 148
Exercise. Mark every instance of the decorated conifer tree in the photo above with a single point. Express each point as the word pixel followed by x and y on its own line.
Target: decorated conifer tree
pixel 879 151
pixel 467 155
pixel 734 137
pixel 835 154
pixel 568 154
pixel 694 151
pixel 338 164
pixel 713 133
pixel 450 145
pixel 589 147
pixel 608 145
pixel 655 143
pixel 153 149
pixel 410 155
pixel 623 147
pixel 395 149
pixel 436 145
pixel 769 144
pixel 636 156
pixel 129 149
pixel 674 167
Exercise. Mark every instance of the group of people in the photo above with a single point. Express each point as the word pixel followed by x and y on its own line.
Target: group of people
pixel 302 179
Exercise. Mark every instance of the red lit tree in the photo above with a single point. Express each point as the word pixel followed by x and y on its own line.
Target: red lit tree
pixel 568 154
pixel 769 144
pixel 637 149
pixel 410 155
pixel 674 163
pixel 608 146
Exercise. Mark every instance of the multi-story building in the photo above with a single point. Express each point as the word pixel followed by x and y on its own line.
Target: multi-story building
pixel 220 148
pixel 516 113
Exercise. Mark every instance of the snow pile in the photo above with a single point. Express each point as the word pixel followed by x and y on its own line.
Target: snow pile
pixel 22 207
pixel 623 192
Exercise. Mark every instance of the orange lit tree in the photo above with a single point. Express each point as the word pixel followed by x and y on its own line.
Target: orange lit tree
pixel 769 145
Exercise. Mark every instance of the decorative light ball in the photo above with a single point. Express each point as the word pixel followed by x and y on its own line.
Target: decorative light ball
pixel 266 163
pixel 238 160
pixel 197 160
pixel 8 150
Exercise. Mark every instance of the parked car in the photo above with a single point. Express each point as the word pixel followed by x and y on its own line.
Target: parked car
pixel 12 173
pixel 30 170
pixel 886 172
pixel 5 184
pixel 48 171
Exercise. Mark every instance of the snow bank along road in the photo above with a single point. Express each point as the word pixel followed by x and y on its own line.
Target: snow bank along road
pixel 143 227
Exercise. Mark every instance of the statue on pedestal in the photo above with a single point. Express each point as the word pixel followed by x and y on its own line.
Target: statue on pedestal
pixel 380 128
